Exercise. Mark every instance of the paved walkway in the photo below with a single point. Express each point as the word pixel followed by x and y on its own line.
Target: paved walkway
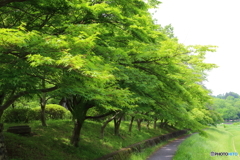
pixel 167 152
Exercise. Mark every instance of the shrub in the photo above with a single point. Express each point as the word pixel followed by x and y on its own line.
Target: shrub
pixel 52 111
pixel 16 115
pixel 25 114
pixel 55 111
pixel 33 114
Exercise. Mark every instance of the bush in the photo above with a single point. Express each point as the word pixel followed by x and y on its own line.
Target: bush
pixel 25 114
pixel 16 115
pixel 52 111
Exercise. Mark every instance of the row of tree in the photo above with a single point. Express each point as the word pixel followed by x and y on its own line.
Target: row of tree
pixel 108 56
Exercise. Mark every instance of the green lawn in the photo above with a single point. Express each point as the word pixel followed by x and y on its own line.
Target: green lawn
pixel 52 142
pixel 224 138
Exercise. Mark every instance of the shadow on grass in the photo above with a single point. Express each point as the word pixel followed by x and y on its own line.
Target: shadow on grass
pixel 52 142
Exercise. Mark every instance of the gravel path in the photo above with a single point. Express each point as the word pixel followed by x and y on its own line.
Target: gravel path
pixel 167 152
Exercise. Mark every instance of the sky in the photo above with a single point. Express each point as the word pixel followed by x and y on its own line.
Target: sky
pixel 208 22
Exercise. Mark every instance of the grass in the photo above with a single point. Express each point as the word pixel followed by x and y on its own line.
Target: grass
pixel 52 142
pixel 224 138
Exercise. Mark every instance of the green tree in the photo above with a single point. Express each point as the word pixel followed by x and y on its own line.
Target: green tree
pixel 104 54
pixel 227 107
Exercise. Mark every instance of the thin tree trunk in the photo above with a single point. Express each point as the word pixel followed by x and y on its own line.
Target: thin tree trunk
pixel 1 113
pixel 161 123
pixel 43 102
pixel 130 124
pixel 139 121
pixel 3 150
pixel 63 103
pixel 2 97
pixel 105 124
pixel 165 124
pixel 42 117
pixel 117 123
pixel 155 123
pixel 148 123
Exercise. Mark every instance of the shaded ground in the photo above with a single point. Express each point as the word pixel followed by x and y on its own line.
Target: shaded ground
pixel 52 142
pixel 167 152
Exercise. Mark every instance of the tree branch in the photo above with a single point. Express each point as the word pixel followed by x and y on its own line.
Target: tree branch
pixel 20 94
pixel 149 61
pixel 6 2
pixel 100 116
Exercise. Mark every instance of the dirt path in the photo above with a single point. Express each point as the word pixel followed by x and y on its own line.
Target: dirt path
pixel 167 152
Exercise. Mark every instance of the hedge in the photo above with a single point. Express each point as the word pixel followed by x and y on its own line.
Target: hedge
pixel 25 114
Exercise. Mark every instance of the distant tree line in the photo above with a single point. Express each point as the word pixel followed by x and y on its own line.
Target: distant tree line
pixel 228 105
pixel 224 96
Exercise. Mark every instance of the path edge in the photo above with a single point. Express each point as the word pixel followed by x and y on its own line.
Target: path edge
pixel 125 153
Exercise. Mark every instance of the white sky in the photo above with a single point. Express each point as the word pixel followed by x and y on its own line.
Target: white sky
pixel 209 22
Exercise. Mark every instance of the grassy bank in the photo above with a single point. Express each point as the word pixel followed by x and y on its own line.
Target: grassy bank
pixel 224 138
pixel 52 142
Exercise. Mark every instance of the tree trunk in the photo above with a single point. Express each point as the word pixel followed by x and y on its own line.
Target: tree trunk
pixel 148 123
pixel 117 123
pixel 1 113
pixel 79 107
pixel 63 103
pixel 155 123
pixel 105 124
pixel 2 97
pixel 76 132
pixel 42 117
pixel 163 123
pixel 139 121
pixel 43 102
pixel 130 124
pixel 3 150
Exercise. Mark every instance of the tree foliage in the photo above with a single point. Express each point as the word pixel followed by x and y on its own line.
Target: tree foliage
pixel 228 105
pixel 106 55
